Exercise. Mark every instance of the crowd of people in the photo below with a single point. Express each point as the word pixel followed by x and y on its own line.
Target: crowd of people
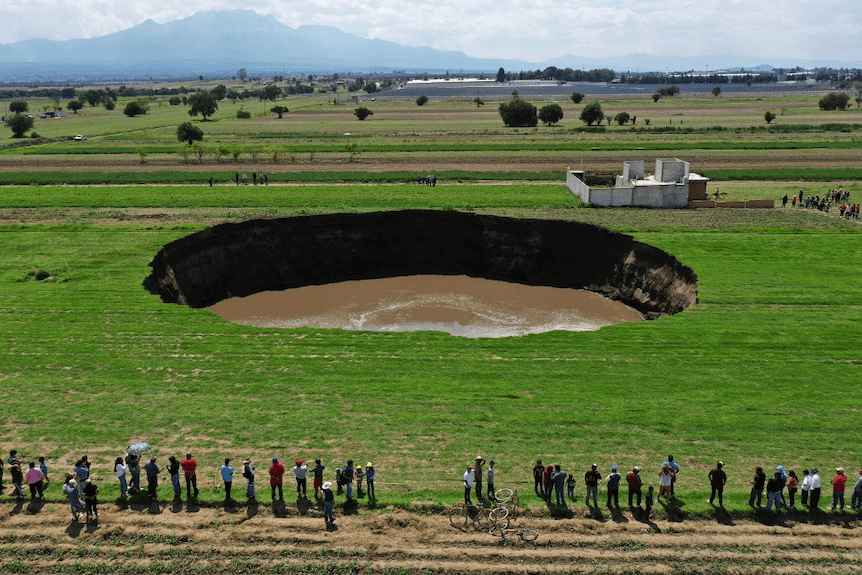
pixel 825 202
pixel 82 493
pixel 428 180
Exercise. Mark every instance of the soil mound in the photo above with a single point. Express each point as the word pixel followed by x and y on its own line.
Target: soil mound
pixel 235 260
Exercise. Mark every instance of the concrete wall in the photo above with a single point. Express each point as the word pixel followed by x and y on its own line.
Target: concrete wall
pixel 633 170
pixel 671 170
pixel 575 183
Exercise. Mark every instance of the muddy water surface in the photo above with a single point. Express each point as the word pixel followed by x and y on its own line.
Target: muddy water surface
pixel 459 305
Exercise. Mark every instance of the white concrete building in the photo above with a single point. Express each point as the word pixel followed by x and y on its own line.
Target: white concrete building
pixel 672 186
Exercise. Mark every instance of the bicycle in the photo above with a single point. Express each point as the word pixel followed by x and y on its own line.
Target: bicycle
pixel 462 516
pixel 508 498
pixel 523 534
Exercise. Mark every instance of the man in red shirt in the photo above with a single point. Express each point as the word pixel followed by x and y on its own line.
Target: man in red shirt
pixel 838 484
pixel 189 466
pixel 276 471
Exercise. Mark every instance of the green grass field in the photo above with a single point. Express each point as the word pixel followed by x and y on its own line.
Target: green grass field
pixel 762 372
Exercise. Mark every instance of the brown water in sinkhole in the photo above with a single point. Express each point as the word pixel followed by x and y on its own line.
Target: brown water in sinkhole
pixel 459 305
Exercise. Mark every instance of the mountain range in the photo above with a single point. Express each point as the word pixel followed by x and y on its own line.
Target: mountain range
pixel 218 43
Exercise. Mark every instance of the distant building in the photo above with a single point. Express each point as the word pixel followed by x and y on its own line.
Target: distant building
pixel 672 186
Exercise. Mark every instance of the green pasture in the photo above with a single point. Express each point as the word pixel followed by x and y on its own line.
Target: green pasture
pixel 761 372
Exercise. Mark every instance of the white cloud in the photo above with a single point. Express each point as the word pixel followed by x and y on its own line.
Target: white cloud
pixel 525 29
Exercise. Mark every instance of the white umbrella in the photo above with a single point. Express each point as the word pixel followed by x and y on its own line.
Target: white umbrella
pixel 138 448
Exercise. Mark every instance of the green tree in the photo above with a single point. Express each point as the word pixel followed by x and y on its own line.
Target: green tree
pixel 422 100
pixel 110 104
pixel 75 105
pixel 834 101
pixel 362 112
pixel 501 75
pixel 622 118
pixel 243 114
pixel 188 132
pixel 19 123
pixel 202 103
pixel 716 91
pixel 577 97
pixel 518 113
pixel 656 97
pixel 478 101
pixel 271 92
pixel 768 116
pixel 242 74
pixel 219 92
pixel 280 110
pixel 592 113
pixel 18 106
pixel 551 114
pixel 94 97
pixel 135 108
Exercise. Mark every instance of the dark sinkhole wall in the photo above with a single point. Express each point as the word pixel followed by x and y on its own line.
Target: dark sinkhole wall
pixel 242 259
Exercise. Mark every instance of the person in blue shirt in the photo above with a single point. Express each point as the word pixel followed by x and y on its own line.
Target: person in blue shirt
pixel 227 476
pixel 370 473
pixel 614 487
pixel 674 467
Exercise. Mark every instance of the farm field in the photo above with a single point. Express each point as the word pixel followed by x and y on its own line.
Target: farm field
pixel 761 372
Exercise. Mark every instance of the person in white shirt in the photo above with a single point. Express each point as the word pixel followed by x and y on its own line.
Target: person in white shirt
pixel 806 486
pixel 814 495
pixel 469 477
pixel 301 472
pixel 121 468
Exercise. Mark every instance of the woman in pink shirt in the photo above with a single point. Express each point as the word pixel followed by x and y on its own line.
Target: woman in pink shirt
pixel 34 480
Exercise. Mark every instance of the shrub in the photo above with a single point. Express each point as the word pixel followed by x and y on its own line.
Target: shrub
pixel 551 114
pixel 768 116
pixel 577 97
pixel 243 114
pixel 519 113
pixel 834 101
pixel 622 118
pixel 362 112
pixel 135 108
pixel 422 100
pixel 592 113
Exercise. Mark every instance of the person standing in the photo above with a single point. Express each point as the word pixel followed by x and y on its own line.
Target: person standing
pixel 34 481
pixel 300 470
pixel 792 488
pixel 856 500
pixel 806 486
pixel 480 461
pixel 491 490
pixel 134 463
pixel 613 482
pixel 814 494
pixel 649 502
pixel 468 484
pixel 570 486
pixel 91 492
pixel 248 473
pixel 633 478
pixel 757 485
pixel 665 477
pixel 328 502
pixel 121 468
pixel 276 477
pixel 591 480
pixel 717 480
pixel 538 472
pixel 559 479
pixel 674 470
pixel 16 473
pixel 227 477
pixel 152 478
pixel 43 467
pixel 174 472
pixel 548 482
pixel 190 466
pixel 838 484
pixel 774 487
pixel 371 473
pixel 82 472
pixel 70 488
pixel 317 471
pixel 347 475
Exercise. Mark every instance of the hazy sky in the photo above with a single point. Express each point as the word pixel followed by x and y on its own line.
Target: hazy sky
pixel 532 30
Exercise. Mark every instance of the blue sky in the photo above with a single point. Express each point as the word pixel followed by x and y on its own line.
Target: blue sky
pixel 532 30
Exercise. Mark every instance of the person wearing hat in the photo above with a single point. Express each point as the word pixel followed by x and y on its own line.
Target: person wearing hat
pixel 717 480
pixel 91 491
pixel 248 473
pixel 613 481
pixel 152 478
pixel 300 470
pixel 774 487
pixel 370 473
pixel 591 480
pixel 190 465
pixel 328 502
pixel 814 491
pixel 70 488
pixel 469 477
pixel 538 472
pixel 480 461
pixel 227 477
pixel 633 478
pixel 838 484
pixel 559 478
pixel 276 474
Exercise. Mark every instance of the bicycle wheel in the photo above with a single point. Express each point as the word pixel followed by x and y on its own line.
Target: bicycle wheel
pixel 498 514
pixel 483 518
pixel 458 517
pixel 497 531
pixel 504 494
pixel 528 534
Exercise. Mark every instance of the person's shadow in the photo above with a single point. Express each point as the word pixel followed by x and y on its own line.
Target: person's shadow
pixel 303 505
pixel 35 506
pixel 279 509
pixel 350 507
pixel 177 505
pixel 560 511
pixel 74 529
pixel 252 509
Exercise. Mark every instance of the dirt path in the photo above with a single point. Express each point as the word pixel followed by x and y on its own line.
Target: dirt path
pixel 181 539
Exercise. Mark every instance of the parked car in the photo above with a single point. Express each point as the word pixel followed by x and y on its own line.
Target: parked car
pixel 79 138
